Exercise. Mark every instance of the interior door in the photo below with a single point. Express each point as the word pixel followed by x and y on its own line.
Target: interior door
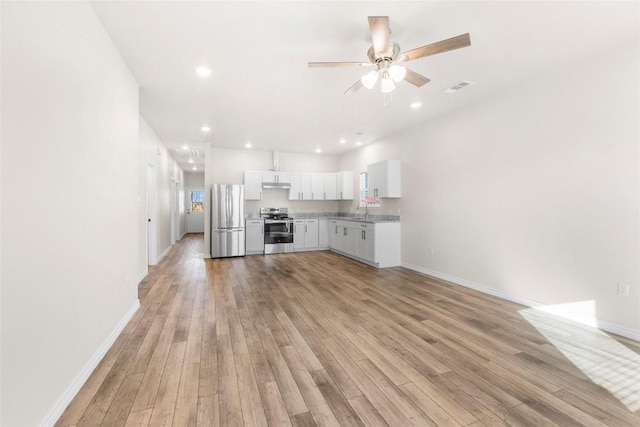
pixel 195 211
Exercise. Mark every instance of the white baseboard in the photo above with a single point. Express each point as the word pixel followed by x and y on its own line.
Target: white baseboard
pixel 163 254
pixel 182 235
pixel 79 381
pixel 605 326
pixel 207 255
pixel 142 275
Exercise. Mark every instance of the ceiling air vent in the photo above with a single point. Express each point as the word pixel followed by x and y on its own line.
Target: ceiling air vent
pixel 458 86
pixel 184 153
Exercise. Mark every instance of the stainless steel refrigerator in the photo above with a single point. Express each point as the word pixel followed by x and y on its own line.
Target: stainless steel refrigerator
pixel 227 221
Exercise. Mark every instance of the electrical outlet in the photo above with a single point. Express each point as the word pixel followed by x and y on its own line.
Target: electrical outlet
pixel 623 289
pixel 431 251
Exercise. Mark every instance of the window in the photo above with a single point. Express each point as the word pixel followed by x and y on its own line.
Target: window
pixel 364 192
pixel 197 201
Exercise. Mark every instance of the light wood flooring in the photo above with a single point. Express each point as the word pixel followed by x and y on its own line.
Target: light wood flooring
pixel 318 339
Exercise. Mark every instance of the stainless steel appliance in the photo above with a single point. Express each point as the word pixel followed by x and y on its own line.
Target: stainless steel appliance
pixel 227 221
pixel 278 230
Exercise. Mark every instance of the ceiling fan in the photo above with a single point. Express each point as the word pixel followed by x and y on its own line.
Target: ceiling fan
pixel 385 55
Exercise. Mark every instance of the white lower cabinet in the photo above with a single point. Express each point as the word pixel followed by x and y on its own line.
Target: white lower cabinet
pixel 305 234
pixel 376 244
pixel 365 247
pixel 254 236
pixel 323 233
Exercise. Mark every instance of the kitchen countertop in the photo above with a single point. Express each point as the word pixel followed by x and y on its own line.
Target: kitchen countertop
pixel 371 219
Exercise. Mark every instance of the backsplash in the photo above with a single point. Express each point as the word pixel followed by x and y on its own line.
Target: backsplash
pixel 276 198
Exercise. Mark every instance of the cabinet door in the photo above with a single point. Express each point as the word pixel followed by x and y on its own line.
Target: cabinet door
pixel 376 176
pixel 365 249
pixel 352 240
pixel 305 186
pixel 253 185
pixel 283 177
pixel 311 233
pixel 298 234
pixel 317 186
pixel 344 185
pixel 295 192
pixel 334 236
pixel 323 233
pixel 269 176
pixel 384 179
pixel 254 235
pixel 329 186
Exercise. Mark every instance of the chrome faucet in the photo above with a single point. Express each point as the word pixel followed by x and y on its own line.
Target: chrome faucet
pixel 366 205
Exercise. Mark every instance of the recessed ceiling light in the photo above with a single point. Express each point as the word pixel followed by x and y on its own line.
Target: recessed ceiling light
pixel 318 150
pixel 185 147
pixel 190 160
pixel 248 145
pixel 415 105
pixel 203 71
pixel 342 141
pixel 194 168
pixel 358 143
pixel 205 128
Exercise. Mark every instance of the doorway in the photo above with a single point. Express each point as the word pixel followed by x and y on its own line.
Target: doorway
pixel 175 211
pixel 152 227
pixel 195 210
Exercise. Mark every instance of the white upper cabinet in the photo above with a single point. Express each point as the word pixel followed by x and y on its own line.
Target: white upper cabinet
pixel 276 177
pixel 303 185
pixel 295 192
pixel 306 186
pixel 300 186
pixel 344 185
pixel 329 186
pixel 252 185
pixel 317 186
pixel 384 179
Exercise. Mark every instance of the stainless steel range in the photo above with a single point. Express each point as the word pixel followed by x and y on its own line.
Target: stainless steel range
pixel 278 230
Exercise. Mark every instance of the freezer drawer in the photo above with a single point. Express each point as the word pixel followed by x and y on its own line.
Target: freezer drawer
pixel 227 243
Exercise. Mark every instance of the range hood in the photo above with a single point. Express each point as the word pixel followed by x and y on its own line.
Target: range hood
pixel 282 185
pixel 276 168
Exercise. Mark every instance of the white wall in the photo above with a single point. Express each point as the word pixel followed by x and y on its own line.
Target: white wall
pixel 152 151
pixel 70 132
pixel 194 179
pixel 534 192
pixel 226 166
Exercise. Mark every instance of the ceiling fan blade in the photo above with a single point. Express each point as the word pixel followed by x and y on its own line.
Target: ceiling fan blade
pixel 379 26
pixel 356 86
pixel 437 47
pixel 338 64
pixel 415 78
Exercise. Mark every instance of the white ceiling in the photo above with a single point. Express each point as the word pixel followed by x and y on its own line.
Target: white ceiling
pixel 262 91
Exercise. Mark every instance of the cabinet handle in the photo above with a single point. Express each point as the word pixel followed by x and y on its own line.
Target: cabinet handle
pixel 324 196
pixel 341 194
pixel 336 229
pixel 305 228
pixel 345 231
pixel 364 234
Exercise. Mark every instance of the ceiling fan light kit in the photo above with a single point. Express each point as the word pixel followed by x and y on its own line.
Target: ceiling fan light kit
pixel 384 54
pixel 387 84
pixel 369 80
